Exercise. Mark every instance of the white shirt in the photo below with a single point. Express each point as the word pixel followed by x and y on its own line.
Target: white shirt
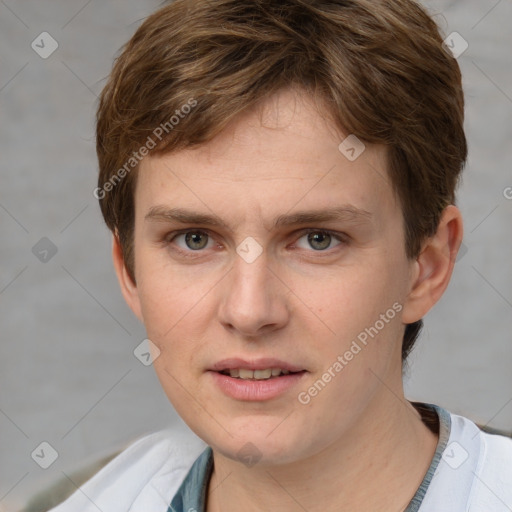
pixel 473 475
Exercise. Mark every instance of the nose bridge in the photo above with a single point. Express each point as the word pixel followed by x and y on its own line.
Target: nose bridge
pixel 253 299
pixel 250 274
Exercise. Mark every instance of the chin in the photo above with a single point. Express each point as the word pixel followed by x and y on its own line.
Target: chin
pixel 254 445
pixel 252 452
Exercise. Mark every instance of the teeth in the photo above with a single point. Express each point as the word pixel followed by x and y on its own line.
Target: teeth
pixel 263 374
pixel 243 373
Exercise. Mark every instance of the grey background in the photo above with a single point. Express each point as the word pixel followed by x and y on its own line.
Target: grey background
pixel 68 372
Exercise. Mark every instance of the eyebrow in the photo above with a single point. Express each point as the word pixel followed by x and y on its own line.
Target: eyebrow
pixel 343 213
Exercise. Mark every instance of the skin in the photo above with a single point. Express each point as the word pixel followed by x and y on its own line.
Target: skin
pixel 358 444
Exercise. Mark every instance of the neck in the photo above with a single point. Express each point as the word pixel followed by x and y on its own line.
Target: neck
pixel 377 465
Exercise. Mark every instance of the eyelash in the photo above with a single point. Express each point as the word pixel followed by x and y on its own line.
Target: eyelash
pixel 170 237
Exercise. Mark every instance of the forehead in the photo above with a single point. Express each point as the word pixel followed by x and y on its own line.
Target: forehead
pixel 283 155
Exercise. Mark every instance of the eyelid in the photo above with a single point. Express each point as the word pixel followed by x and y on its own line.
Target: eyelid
pixel 343 238
pixel 173 234
pixel 169 237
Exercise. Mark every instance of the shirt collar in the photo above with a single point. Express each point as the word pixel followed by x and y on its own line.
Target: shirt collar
pixel 191 496
pixel 445 426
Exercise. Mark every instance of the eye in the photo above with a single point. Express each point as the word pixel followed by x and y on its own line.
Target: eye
pixel 320 240
pixel 192 240
pixel 188 242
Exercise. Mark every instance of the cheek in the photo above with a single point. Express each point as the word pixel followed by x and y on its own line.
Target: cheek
pixel 168 309
pixel 356 358
pixel 363 313
pixel 169 297
pixel 353 298
pixel 176 308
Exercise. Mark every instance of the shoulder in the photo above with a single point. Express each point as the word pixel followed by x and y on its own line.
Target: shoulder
pixel 474 473
pixel 493 477
pixel 494 451
pixel 143 477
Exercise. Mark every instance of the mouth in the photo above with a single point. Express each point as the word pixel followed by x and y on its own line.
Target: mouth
pixel 248 374
pixel 256 381
pixel 259 369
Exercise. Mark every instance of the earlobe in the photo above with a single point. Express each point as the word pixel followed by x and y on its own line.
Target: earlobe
pixel 433 267
pixel 128 287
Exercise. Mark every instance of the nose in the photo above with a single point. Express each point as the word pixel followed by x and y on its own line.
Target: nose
pixel 254 300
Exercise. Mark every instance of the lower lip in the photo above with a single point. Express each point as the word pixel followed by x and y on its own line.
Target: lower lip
pixel 256 390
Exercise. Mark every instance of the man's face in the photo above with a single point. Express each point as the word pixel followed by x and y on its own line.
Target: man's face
pixel 249 288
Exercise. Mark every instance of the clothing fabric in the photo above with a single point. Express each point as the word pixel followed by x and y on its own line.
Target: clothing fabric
pixel 471 471
pixel 191 496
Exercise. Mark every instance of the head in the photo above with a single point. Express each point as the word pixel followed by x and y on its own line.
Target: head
pixel 249 112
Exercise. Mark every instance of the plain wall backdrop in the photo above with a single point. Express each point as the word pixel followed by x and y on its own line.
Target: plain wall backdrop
pixel 68 374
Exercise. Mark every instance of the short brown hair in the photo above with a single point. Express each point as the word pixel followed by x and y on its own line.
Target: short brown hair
pixel 379 65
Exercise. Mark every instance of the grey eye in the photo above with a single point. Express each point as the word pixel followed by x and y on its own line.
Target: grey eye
pixel 194 240
pixel 318 240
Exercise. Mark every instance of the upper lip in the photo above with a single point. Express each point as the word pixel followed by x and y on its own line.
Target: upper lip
pixel 256 364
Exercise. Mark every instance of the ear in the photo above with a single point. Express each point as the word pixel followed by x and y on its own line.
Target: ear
pixel 128 287
pixel 432 269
